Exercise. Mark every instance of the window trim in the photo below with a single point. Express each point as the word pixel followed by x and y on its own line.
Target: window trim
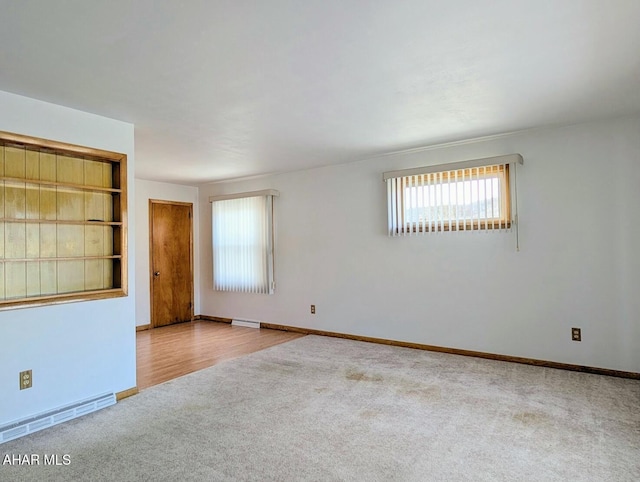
pixel 119 222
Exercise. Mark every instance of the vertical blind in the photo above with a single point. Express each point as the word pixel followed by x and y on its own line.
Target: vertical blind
pixel 242 235
pixel 470 195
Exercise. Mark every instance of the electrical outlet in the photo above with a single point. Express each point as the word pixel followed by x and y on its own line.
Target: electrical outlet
pixel 576 334
pixel 313 309
pixel 26 379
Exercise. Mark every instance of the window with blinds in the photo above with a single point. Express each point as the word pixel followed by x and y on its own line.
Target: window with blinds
pixel 62 222
pixel 243 242
pixel 467 196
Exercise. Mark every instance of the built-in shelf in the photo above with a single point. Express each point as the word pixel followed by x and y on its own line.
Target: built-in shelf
pixel 62 222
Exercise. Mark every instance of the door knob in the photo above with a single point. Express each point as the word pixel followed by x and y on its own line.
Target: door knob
pixel 156 274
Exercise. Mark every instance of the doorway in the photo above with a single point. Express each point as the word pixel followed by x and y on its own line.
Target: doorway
pixel 171 261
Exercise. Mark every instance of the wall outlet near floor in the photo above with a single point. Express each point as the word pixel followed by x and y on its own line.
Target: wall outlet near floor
pixel 313 309
pixel 576 334
pixel 26 379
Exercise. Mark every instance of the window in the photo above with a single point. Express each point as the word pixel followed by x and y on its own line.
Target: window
pixel 472 195
pixel 62 222
pixel 242 234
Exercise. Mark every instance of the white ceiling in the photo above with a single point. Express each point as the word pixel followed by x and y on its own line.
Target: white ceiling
pixel 225 89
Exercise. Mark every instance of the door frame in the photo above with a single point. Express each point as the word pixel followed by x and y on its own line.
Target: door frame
pixel 176 203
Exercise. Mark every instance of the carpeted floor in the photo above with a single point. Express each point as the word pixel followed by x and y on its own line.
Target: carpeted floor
pixel 321 408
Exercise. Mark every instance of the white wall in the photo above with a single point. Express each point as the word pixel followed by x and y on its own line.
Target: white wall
pixel 579 263
pixel 146 190
pixel 76 350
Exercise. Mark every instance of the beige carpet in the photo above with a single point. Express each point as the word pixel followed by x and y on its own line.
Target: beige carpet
pixel 329 409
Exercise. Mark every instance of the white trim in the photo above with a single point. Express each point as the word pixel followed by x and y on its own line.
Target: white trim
pixel 454 166
pixel 264 192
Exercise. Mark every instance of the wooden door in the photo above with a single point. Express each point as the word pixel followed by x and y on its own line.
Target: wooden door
pixel 171 239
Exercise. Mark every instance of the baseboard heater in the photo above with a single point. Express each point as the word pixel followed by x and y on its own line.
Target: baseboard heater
pixel 247 323
pixel 43 420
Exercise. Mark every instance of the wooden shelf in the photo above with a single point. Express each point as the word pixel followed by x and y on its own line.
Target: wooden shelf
pixel 59 221
pixel 79 187
pixel 37 144
pixel 57 298
pixel 67 258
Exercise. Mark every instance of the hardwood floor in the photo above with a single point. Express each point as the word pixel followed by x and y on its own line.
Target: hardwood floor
pixel 172 351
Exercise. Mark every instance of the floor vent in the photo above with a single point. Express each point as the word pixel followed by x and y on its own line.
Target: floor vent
pixel 54 417
pixel 247 323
